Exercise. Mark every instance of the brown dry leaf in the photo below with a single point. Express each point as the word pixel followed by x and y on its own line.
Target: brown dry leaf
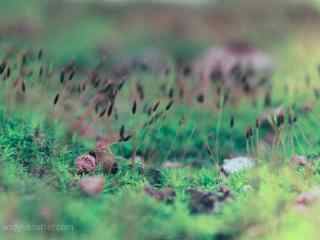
pixel 166 195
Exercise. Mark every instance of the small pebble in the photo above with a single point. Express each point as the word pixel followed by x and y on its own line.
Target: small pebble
pixel 237 164
pixel 92 185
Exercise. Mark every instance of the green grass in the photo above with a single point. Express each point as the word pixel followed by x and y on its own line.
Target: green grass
pixel 39 173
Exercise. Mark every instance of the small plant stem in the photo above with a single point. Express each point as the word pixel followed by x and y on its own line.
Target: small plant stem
pixel 217 145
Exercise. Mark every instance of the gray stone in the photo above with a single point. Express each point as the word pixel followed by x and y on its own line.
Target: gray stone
pixel 237 164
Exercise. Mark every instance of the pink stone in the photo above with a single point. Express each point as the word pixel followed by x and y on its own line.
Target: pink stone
pixel 92 185
pixel 46 213
pixel 308 198
pixel 86 163
pixel 299 160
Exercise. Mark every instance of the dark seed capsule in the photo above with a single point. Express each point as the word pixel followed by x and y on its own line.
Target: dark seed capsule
pixel 171 93
pixel 71 75
pixel 106 89
pixel 158 115
pixel 258 123
pixel 62 77
pixel 280 119
pixel 116 117
pixel 226 97
pixel 93 154
pixel 84 87
pixel 236 71
pixel 169 105
pixel 290 119
pixel 2 67
pixel 41 71
pixel 56 99
pixel 121 85
pixel 149 111
pixel 112 168
pixel 23 59
pixel 103 113
pixel 23 87
pixel 232 122
pixel 294 119
pixel 140 91
pixel 316 93
pixel 96 108
pixel 96 83
pixel 151 121
pixel 110 110
pixel 219 90
pixel 8 74
pixel 93 76
pixel 155 106
pixel 127 138
pixel 186 71
pixel 216 76
pixel 181 93
pixel 249 132
pixel 200 98
pixel 40 54
pixel 121 133
pixel 267 100
pixel 134 107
